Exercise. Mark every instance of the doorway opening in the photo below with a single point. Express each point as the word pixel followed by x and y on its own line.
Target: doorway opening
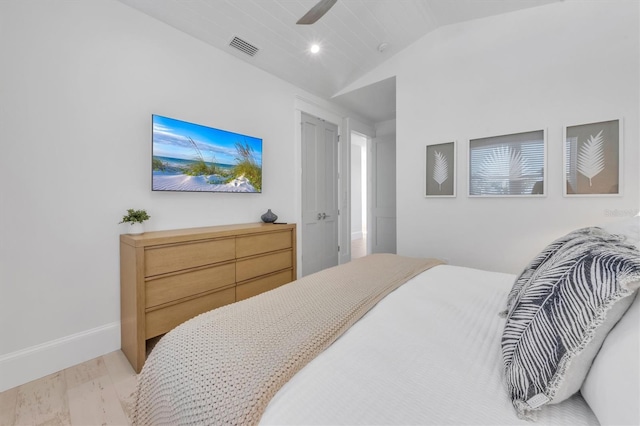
pixel 358 195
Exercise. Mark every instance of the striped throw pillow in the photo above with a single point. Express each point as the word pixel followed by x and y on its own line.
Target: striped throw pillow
pixel 560 311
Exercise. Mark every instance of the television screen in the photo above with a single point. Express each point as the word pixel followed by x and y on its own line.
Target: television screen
pixel 191 157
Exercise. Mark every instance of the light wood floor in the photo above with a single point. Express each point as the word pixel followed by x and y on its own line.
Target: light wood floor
pixel 358 248
pixel 96 392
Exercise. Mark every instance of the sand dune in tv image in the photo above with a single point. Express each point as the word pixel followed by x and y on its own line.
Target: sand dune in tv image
pixel 191 157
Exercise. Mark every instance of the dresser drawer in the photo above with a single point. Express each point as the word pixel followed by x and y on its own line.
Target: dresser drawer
pixel 261 265
pixel 250 245
pixel 160 321
pixel 160 260
pixel 168 277
pixel 174 287
pixel 252 288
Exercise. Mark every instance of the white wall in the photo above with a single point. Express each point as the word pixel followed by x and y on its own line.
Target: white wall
pixel 567 63
pixel 542 68
pixel 79 82
pixel 386 128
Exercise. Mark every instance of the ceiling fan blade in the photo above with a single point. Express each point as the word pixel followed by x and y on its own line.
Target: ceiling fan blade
pixel 316 12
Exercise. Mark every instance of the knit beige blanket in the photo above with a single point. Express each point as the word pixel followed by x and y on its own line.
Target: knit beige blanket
pixel 224 366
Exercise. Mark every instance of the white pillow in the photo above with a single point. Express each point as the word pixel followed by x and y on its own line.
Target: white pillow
pixel 612 386
pixel 629 227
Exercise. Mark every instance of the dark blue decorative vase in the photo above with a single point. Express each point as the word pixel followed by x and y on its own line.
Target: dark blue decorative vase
pixel 269 217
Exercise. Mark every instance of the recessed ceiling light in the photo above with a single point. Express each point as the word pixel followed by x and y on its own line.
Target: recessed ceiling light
pixel 315 48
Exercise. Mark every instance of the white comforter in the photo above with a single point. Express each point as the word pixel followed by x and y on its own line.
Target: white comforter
pixel 429 353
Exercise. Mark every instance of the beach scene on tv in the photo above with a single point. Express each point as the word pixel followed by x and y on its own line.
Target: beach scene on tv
pixel 192 157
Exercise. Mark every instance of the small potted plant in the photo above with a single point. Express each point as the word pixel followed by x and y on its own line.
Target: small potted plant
pixel 135 218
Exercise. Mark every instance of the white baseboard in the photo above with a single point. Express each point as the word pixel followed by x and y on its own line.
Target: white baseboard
pixel 25 365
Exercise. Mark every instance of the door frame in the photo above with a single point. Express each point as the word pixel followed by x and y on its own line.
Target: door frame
pixel 311 108
pixel 320 223
pixel 345 125
pixel 355 126
pixel 375 211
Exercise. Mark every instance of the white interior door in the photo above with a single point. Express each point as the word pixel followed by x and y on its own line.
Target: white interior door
pixel 383 195
pixel 319 194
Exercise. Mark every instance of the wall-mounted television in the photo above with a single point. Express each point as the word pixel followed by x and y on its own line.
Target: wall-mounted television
pixel 195 158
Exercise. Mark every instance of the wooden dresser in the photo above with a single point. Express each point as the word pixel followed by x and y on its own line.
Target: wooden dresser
pixel 168 277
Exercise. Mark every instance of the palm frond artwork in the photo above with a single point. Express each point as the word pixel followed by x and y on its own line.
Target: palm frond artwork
pixel 504 163
pixel 440 169
pixel 591 157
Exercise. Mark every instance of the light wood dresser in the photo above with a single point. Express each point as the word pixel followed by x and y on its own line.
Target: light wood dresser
pixel 168 277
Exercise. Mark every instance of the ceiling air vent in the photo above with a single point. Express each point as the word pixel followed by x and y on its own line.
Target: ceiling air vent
pixel 243 46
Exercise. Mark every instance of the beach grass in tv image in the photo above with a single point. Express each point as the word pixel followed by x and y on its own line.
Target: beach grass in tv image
pixel 192 157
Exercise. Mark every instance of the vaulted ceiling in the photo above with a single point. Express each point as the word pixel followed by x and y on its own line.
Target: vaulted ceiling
pixel 355 36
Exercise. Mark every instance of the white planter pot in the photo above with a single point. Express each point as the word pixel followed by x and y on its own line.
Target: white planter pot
pixel 136 228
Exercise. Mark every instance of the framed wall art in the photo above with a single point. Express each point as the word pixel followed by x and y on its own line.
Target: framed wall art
pixel 441 170
pixel 592 159
pixel 508 165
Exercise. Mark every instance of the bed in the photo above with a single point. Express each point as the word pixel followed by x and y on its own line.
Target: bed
pixel 431 349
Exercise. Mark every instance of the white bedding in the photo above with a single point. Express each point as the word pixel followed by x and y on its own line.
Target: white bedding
pixel 429 353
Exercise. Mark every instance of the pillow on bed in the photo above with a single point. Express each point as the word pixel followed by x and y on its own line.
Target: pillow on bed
pixel 629 228
pixel 611 387
pixel 561 313
pixel 531 268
